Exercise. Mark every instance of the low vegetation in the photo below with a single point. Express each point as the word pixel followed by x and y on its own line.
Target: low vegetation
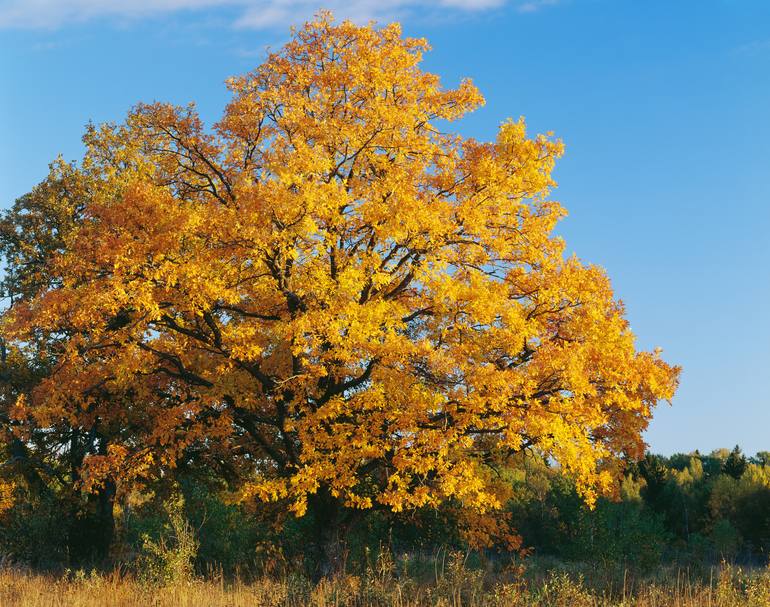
pixel 449 583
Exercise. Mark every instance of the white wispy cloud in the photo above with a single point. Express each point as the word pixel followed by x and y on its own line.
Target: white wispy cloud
pixel 258 14
pixel 757 47
pixel 532 6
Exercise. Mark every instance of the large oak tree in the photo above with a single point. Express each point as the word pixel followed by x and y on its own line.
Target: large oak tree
pixel 330 297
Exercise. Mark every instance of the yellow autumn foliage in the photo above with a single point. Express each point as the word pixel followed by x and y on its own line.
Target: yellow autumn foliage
pixel 331 291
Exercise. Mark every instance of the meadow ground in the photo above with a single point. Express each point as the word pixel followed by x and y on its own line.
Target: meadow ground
pixel 451 585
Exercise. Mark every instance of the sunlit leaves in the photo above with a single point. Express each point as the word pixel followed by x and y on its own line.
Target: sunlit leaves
pixel 329 291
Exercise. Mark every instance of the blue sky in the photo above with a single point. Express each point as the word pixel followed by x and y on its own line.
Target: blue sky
pixel 663 107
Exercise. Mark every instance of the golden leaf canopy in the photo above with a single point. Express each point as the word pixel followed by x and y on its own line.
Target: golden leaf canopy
pixel 331 292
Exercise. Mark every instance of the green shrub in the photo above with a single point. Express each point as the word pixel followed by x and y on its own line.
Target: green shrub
pixel 170 559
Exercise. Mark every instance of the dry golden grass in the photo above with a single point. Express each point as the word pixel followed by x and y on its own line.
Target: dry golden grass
pixel 731 588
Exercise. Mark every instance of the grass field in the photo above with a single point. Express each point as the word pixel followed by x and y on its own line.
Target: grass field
pixel 452 585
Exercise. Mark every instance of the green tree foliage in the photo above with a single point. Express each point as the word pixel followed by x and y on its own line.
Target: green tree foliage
pixel 735 464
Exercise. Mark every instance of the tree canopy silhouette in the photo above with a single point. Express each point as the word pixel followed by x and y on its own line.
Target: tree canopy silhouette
pixel 330 297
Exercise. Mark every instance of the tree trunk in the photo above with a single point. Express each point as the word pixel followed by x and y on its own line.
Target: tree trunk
pixel 332 522
pixel 92 524
pixel 92 528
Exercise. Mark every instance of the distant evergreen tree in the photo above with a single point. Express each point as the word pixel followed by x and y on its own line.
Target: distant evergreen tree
pixel 735 464
pixel 654 472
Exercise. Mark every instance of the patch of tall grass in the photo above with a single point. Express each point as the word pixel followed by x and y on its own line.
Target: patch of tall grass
pixel 447 581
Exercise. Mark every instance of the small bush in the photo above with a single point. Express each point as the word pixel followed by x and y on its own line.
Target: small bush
pixel 170 559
